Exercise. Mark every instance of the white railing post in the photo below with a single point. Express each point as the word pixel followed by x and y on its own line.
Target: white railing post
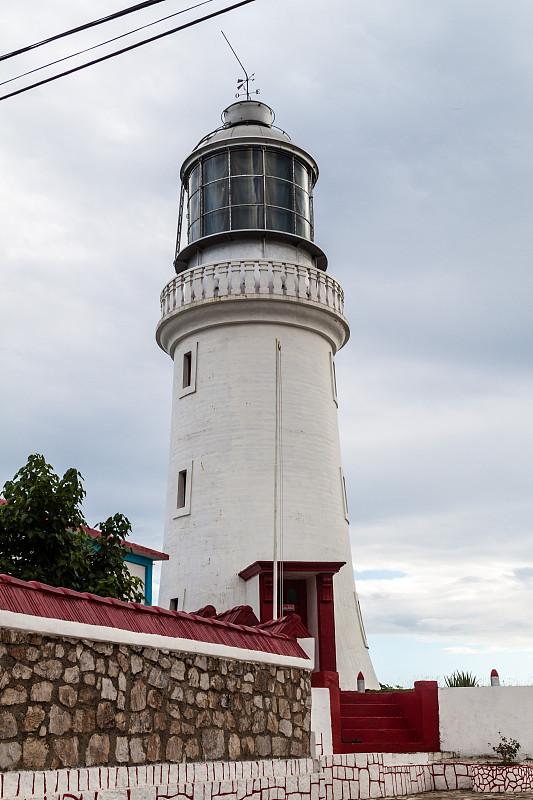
pixel 209 281
pixel 277 285
pixel 313 285
pixel 264 278
pixel 290 280
pixel 187 287
pixel 321 287
pixel 197 283
pixel 234 280
pixel 223 271
pixel 302 280
pixel 249 277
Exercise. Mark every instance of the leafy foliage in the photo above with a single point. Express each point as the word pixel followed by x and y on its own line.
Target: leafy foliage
pixel 42 536
pixel 507 749
pixel 461 679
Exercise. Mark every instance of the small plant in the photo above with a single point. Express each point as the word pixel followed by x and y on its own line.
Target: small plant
pixel 385 687
pixel 461 679
pixel 507 749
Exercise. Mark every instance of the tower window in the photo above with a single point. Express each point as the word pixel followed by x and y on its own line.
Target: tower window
pixel 182 488
pixel 344 496
pixel 186 379
pixel 187 364
pixel 333 378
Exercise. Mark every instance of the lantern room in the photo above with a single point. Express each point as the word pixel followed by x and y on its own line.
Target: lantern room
pixel 247 180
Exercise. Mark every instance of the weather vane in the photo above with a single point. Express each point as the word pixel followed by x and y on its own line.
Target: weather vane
pixel 242 83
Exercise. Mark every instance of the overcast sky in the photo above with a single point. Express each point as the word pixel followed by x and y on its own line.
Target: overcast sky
pixel 420 115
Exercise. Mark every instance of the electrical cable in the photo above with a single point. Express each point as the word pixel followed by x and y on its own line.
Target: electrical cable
pixel 126 49
pixel 84 27
pixel 95 46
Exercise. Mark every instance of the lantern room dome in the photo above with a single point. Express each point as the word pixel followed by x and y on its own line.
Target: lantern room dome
pixel 248 180
pixel 247 118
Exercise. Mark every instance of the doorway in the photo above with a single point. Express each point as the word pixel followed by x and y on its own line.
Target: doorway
pixel 295 598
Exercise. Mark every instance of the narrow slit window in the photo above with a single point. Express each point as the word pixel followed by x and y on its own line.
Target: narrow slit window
pixel 174 603
pixel 182 488
pixel 187 369
pixel 333 379
pixel 344 495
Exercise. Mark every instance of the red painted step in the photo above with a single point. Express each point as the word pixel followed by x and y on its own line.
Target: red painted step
pixel 384 747
pixel 370 710
pixel 369 723
pixel 374 723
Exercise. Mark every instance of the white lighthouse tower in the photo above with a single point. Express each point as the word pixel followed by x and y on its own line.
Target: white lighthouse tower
pixel 256 507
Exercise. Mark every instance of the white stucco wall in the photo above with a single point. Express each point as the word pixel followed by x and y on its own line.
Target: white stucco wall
pixel 137 570
pixel 470 718
pixel 321 721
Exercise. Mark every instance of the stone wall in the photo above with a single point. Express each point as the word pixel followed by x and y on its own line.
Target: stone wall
pixel 67 702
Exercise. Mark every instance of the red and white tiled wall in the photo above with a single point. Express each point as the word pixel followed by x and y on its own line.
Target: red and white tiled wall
pixel 337 777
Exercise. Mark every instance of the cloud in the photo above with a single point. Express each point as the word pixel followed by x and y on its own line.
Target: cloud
pixel 419 116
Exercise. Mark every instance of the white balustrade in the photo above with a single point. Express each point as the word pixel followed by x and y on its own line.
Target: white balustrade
pixel 278 278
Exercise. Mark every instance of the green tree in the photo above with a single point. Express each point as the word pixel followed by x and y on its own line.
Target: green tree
pixel 42 536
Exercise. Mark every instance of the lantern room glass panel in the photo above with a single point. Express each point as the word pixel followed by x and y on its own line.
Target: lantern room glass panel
pixel 303 227
pixel 194 180
pixel 194 207
pixel 301 175
pixel 246 162
pixel 216 221
pixel 278 193
pixel 246 190
pixel 215 167
pixel 247 217
pixel 278 165
pixel 249 187
pixel 279 220
pixel 301 203
pixel 216 195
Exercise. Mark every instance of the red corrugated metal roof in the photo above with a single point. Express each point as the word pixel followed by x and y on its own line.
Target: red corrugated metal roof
pixel 39 600
pixel 291 625
pixel 240 615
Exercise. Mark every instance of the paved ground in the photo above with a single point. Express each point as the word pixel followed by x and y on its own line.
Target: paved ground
pixel 467 794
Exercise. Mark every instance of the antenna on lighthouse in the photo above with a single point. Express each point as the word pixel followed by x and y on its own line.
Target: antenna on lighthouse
pixel 242 82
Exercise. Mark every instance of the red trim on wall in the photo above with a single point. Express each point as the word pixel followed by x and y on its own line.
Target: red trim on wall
pixel 139 549
pixel 305 567
pixel 327 655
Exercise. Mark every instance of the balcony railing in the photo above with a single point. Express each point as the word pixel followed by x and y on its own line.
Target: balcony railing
pixel 246 278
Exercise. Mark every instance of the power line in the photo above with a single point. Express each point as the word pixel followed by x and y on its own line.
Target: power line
pixel 101 44
pixel 84 27
pixel 126 49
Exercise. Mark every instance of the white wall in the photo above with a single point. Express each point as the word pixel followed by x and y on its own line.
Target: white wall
pixel 470 718
pixel 223 434
pixel 137 570
pixel 321 721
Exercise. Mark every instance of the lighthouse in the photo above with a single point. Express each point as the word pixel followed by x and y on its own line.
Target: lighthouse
pixel 256 508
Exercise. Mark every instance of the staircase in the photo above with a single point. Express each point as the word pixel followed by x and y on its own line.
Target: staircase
pixel 375 723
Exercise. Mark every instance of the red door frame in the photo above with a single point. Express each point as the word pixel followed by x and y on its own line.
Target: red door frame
pixel 323 571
